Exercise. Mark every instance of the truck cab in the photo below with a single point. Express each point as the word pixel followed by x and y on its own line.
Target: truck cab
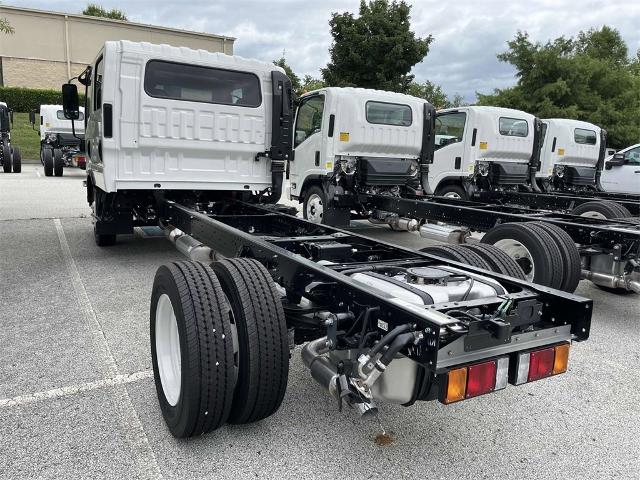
pixel 352 140
pixel 481 148
pixel 570 155
pixel 163 121
pixel 621 172
pixel 10 155
pixel 61 141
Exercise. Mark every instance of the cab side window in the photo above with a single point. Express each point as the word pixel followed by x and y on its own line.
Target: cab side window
pixel 449 128
pixel 309 119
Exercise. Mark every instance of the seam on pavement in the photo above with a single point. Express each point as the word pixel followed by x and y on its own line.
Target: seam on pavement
pixel 132 425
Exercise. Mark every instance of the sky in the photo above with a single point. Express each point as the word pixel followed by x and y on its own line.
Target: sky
pixel 468 33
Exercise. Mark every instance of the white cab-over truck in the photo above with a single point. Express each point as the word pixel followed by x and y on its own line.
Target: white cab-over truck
pixel 196 143
pixel 10 156
pixel 481 148
pixel 571 155
pixel 61 142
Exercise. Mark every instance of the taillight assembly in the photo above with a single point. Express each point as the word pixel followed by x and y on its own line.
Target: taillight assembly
pixel 537 364
pixel 489 376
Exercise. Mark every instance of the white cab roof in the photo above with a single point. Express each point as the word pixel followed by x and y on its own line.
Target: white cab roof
pixel 567 122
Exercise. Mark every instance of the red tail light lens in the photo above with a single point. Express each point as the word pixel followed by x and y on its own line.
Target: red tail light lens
pixel 541 364
pixel 481 379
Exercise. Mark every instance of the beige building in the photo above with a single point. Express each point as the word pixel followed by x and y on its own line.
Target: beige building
pixel 48 48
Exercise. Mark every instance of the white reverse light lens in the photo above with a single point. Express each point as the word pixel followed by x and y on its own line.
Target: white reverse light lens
pixel 502 373
pixel 523 369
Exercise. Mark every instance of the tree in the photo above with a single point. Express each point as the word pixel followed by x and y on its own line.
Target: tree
pixel 5 27
pixel 95 10
pixel 435 95
pixel 375 50
pixel 309 84
pixel 295 80
pixel 587 78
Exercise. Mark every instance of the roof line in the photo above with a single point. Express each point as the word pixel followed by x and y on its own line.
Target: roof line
pixel 118 22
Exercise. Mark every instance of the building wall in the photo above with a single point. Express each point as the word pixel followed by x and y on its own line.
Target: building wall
pixel 48 48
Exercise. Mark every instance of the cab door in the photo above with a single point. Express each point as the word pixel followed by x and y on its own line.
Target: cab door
pixel 451 155
pixel 309 145
pixel 624 178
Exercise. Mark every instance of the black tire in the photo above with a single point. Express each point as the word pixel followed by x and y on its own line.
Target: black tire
pixel 570 255
pixel 263 366
pixel 452 190
pixel 207 373
pixel 104 239
pixel 499 261
pixel 459 254
pixel 546 259
pixel 47 158
pixel 6 158
pixel 604 208
pixel 308 210
pixel 17 160
pixel 58 163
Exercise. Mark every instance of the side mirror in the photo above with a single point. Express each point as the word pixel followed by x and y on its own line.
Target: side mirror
pixel 32 118
pixel 70 102
pixel 617 161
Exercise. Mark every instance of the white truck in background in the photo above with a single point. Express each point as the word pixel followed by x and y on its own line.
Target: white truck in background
pixel 61 143
pixel 621 172
pixel 571 154
pixel 481 148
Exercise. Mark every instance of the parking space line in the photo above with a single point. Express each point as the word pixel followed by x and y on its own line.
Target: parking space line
pixel 74 389
pixel 38 173
pixel 132 425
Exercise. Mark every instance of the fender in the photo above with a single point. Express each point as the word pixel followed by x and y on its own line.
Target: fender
pixel 315 179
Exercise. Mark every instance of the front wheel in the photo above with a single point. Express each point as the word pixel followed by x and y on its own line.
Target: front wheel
pixel 47 161
pixel 452 191
pixel 313 208
pixel 6 158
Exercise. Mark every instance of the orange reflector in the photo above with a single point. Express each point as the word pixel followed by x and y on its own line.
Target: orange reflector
pixel 456 385
pixel 562 359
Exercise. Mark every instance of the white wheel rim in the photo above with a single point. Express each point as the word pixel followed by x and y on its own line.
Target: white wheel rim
pixel 452 195
pixel 520 254
pixel 592 214
pixel 168 350
pixel 315 208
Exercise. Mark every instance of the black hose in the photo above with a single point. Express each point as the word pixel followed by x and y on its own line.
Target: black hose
pixel 365 323
pixel 388 338
pixel 398 344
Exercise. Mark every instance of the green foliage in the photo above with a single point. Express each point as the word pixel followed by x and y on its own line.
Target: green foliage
pixel 25 136
pixel 27 99
pixel 300 87
pixel 587 78
pixel 5 27
pixel 435 95
pixel 95 10
pixel 375 50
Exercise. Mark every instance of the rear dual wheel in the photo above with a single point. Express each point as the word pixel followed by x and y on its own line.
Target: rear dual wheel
pixel 6 158
pixel 219 344
pixel 601 209
pixel 545 253
pixel 16 160
pixel 47 161
pixel 58 162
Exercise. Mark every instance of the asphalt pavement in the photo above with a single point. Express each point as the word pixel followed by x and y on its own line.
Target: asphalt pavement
pixel 77 398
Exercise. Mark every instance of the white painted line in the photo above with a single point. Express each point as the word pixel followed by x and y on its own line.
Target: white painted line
pixel 137 438
pixel 74 389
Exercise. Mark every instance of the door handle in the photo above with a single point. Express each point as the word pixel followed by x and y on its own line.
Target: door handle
pixel 637 171
pixel 458 162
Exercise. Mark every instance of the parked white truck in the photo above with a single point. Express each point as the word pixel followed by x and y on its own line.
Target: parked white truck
pixel 10 155
pixel 481 148
pixel 571 155
pixel 61 142
pixel 622 171
pixel 196 143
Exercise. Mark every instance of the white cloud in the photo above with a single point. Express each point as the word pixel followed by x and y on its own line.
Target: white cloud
pixel 468 33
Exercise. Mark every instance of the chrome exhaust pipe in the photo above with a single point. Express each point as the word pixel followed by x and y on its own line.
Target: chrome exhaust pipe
pixel 399 224
pixel 626 282
pixel 190 247
pixel 444 233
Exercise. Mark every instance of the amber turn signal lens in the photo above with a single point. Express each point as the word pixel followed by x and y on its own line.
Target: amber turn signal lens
pixel 561 361
pixel 456 385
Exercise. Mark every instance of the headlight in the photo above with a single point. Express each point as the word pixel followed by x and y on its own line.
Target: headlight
pixel 483 169
pixel 413 169
pixel 347 165
pixel 52 137
pixel 560 171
